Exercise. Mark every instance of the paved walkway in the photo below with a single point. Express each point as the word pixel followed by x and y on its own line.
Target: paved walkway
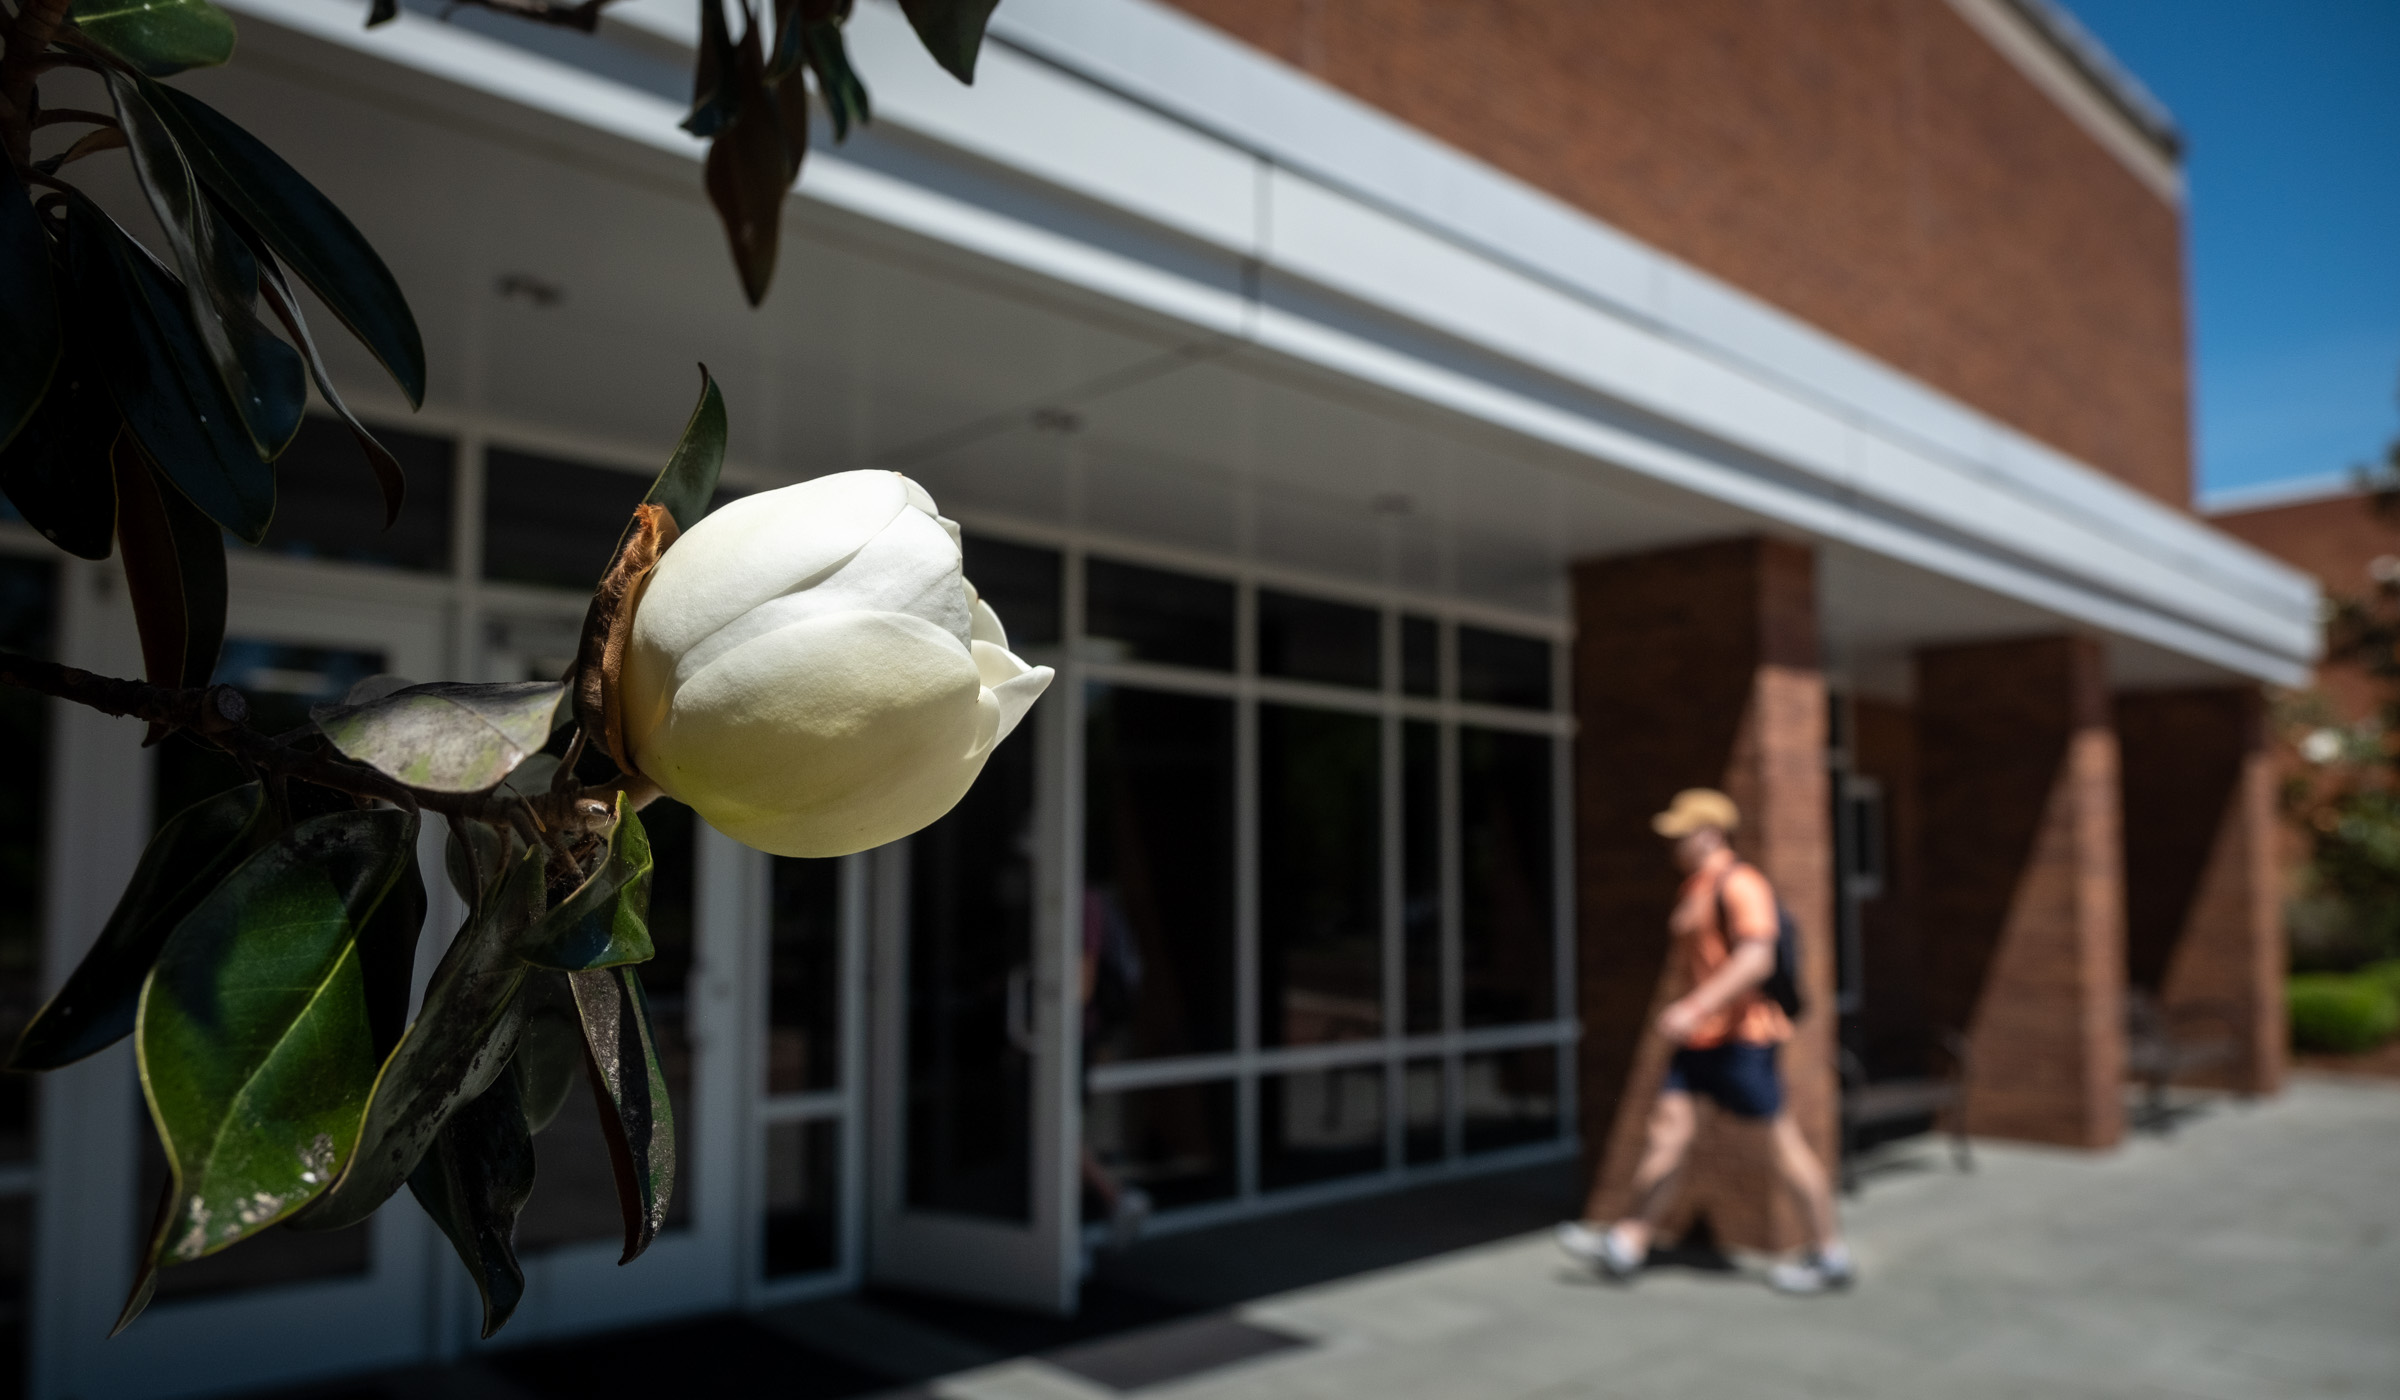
pixel 2256 1253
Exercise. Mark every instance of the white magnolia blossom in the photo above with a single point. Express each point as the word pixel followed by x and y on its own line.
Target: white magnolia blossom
pixel 810 672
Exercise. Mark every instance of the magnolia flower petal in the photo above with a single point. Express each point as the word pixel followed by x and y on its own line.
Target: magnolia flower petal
pixel 985 623
pixel 759 547
pixel 832 735
pixel 910 566
pixel 1012 684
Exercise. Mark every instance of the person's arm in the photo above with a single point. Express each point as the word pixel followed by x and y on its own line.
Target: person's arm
pixel 1749 907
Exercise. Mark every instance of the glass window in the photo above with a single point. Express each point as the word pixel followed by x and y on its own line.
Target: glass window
pixel 575 1191
pixel 1421 656
pixel 803 1197
pixel 1501 668
pixel 553 522
pixel 1506 933
pixel 1021 582
pixel 1159 873
pixel 1315 1125
pixel 1320 923
pixel 16 1293
pixel 804 977
pixel 1176 1143
pixel 969 1079
pixel 1153 615
pixel 28 605
pixel 1421 875
pixel 281 681
pixel 1308 639
pixel 1510 1098
pixel 327 505
pixel 1422 1099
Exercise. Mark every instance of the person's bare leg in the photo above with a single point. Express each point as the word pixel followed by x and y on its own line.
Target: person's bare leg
pixel 1667 1139
pixel 1805 1177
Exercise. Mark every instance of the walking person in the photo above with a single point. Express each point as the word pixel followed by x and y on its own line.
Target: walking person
pixel 1727 1031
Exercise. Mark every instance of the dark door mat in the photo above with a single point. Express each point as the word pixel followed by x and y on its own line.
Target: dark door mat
pixel 724 1358
pixel 1156 1355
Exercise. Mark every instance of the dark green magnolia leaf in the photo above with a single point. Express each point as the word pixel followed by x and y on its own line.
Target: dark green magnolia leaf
pixel 389 478
pixel 549 1060
pixel 255 1049
pixel 174 562
pixel 473 1181
pixel 56 469
pixel 447 736
pixel 604 922
pixel 845 96
pixel 713 98
pixel 159 375
pixel 383 12
pixel 158 36
pixel 689 481
pixel 262 376
pixel 462 1040
pixel 631 1090
pixel 473 858
pixel 751 165
pixel 951 30
pixel 793 20
pixel 186 860
pixel 387 959
pixel 29 353
pixel 315 239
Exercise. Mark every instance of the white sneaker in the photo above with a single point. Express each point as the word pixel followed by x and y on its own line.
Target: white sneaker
pixel 1598 1249
pixel 1819 1271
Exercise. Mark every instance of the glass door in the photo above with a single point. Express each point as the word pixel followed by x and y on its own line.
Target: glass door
pixel 971 1187
pixel 285 1304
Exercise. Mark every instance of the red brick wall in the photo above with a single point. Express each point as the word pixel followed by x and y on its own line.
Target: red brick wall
pixel 1696 667
pixel 1873 166
pixel 2334 539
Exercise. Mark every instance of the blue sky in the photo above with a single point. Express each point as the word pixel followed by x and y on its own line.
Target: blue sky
pixel 2291 112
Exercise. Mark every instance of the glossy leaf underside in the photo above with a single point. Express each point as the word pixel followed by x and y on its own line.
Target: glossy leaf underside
pixel 304 228
pixel 462 1039
pixel 447 736
pixel 29 353
pixel 174 562
pixel 630 1089
pixel 255 1047
pixel 182 864
pixel 158 36
pixel 390 480
pixel 549 1060
pixel 604 922
pixel 474 1180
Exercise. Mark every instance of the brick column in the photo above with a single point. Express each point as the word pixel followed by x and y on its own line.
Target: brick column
pixel 2020 883
pixel 1696 667
pixel 2203 917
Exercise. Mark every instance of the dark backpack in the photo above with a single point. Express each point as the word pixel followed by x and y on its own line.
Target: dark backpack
pixel 1783 983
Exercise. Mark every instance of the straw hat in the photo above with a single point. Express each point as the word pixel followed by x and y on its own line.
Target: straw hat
pixel 1695 808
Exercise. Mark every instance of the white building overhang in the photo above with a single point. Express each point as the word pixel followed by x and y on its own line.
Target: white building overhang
pixel 1236 217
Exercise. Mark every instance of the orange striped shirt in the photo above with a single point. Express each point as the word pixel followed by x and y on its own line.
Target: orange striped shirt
pixel 1701 946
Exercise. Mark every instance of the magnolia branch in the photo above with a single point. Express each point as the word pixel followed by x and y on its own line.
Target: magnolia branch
pixel 219 715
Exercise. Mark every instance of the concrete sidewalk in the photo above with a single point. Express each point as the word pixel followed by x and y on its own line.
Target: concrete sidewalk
pixel 2255 1253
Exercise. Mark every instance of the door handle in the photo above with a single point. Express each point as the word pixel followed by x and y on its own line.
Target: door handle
pixel 1020 1008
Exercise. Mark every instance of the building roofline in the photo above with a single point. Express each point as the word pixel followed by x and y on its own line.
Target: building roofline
pixel 2109 77
pixel 2274 495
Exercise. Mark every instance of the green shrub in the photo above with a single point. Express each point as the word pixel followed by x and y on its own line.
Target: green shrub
pixel 2341 1013
pixel 2385 973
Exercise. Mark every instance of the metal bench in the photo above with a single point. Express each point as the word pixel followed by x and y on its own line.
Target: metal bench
pixel 1868 1104
pixel 2165 1043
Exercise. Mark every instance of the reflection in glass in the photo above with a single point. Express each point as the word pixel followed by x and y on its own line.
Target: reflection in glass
pixel 553 522
pixel 575 1192
pixel 803 1197
pixel 1176 1143
pixel 1421 656
pixel 1501 668
pixel 1318 1124
pixel 1309 639
pixel 1153 615
pixel 1320 931
pixel 327 505
pixel 1021 582
pixel 1507 938
pixel 1158 859
pixel 969 1087
pixel 280 681
pixel 804 980
pixel 1510 1098
pixel 1421 874
pixel 1421 1096
pixel 28 603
